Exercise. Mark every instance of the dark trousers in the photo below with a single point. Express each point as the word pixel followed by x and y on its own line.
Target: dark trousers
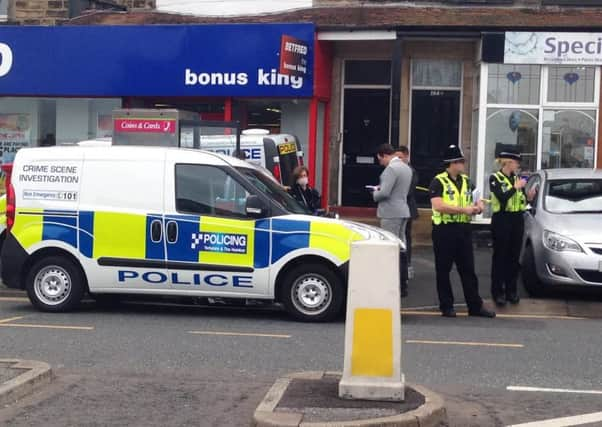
pixel 409 240
pixel 452 244
pixel 507 233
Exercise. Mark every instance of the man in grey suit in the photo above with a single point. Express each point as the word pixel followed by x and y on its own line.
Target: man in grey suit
pixel 392 193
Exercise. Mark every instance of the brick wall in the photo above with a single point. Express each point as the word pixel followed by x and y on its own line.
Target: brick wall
pixel 55 12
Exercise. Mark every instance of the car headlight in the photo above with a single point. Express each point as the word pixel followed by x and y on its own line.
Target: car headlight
pixel 559 243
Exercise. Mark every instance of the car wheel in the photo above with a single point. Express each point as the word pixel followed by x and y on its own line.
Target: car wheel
pixel 533 285
pixel 313 293
pixel 55 284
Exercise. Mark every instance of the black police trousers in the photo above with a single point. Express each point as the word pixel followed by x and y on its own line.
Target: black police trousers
pixel 452 244
pixel 507 230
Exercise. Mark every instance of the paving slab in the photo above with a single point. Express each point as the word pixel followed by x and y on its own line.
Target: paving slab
pixel 19 378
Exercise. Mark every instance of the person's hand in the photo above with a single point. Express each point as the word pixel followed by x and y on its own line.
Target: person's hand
pixel 531 194
pixel 520 184
pixel 481 205
pixel 470 210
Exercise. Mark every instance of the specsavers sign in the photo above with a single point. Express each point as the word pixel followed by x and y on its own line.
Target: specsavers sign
pixel 553 48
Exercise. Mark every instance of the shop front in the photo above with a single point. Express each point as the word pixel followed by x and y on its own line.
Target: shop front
pixel 59 85
pixel 481 91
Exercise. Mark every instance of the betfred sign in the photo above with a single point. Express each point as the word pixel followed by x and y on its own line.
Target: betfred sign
pixel 145 125
pixel 293 56
pixel 553 48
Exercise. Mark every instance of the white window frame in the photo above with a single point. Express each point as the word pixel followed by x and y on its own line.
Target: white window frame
pixel 543 105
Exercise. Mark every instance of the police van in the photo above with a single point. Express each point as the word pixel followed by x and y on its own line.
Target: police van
pixel 170 222
pixel 280 154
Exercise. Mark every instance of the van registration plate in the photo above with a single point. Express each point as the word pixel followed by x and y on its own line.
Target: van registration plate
pixel 289 148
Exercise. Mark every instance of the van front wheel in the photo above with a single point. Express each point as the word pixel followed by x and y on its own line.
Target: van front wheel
pixel 313 293
pixel 55 284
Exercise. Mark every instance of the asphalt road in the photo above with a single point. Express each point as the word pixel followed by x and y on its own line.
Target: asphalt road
pixel 159 365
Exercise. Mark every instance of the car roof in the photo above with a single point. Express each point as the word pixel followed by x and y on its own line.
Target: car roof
pixel 572 173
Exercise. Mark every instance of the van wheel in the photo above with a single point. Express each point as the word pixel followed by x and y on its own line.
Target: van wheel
pixel 531 281
pixel 55 284
pixel 312 293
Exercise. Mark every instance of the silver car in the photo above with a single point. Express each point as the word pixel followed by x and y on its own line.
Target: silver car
pixel 563 230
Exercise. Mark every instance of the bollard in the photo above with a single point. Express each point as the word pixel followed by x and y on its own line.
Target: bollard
pixel 372 369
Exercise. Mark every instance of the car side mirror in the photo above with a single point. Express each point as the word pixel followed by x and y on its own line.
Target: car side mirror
pixel 255 207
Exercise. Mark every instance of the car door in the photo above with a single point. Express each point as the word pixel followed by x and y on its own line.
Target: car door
pixel 213 247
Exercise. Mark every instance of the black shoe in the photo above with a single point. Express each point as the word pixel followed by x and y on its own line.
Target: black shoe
pixel 483 312
pixel 499 300
pixel 449 313
pixel 513 299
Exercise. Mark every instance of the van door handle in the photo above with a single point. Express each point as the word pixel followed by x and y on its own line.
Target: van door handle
pixel 156 231
pixel 172 232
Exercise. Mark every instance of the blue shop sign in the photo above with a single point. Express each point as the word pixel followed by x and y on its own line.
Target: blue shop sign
pixel 268 60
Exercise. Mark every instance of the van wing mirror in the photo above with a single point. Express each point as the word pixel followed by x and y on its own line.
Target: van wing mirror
pixel 255 207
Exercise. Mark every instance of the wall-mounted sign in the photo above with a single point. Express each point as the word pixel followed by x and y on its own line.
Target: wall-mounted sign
pixel 293 56
pixel 156 60
pixel 553 48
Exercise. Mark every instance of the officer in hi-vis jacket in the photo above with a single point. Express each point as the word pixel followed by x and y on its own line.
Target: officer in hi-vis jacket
pixel 453 207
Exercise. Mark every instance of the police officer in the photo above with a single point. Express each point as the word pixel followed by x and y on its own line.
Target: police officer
pixel 453 206
pixel 508 202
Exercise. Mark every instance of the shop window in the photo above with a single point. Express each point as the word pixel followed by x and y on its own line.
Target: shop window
pixel 367 72
pixel 436 73
pixel 513 84
pixel 276 116
pixel 568 138
pixel 571 84
pixel 30 122
pixel 507 126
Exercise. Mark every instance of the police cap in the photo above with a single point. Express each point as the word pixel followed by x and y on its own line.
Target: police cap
pixel 453 153
pixel 510 153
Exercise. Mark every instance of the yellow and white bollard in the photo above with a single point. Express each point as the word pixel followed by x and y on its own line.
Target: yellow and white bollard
pixel 373 328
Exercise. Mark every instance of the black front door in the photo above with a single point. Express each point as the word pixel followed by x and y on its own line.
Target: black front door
pixel 435 121
pixel 365 127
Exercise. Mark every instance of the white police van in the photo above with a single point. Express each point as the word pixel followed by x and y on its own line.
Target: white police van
pixel 171 222
pixel 280 154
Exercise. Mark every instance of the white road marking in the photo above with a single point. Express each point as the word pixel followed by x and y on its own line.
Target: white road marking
pixel 14 299
pixel 238 334
pixel 10 319
pixel 552 390
pixel 408 312
pixel 36 326
pixel 466 343
pixel 576 420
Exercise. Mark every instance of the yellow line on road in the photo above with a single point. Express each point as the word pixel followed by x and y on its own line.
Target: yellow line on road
pixel 14 299
pixel 500 315
pixel 31 325
pixel 10 319
pixel 466 343
pixel 238 334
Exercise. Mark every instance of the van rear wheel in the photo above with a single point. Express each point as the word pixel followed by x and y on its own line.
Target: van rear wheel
pixel 313 293
pixel 55 284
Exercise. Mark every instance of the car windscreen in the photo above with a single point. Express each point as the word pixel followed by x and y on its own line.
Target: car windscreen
pixel 574 196
pixel 273 190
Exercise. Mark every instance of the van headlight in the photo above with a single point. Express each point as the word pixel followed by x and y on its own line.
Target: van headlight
pixel 559 243
pixel 364 232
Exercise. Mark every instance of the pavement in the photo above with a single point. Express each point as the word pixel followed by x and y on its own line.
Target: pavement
pixel 141 364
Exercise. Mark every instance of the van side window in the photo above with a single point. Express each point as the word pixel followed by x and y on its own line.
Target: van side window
pixel 208 190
